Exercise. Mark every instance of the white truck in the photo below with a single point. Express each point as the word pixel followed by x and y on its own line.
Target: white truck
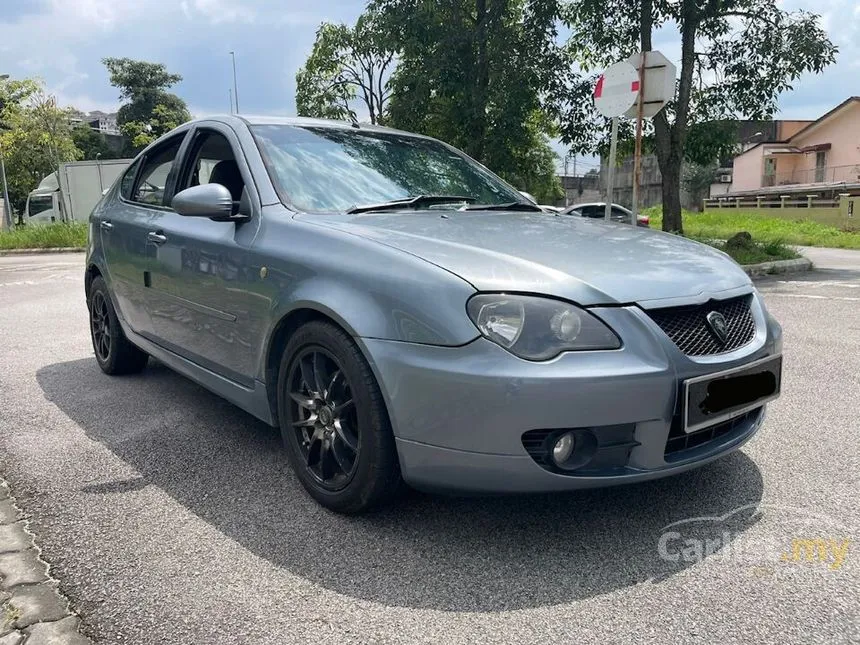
pixel 72 192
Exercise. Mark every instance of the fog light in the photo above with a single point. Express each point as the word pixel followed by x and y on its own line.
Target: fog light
pixel 563 448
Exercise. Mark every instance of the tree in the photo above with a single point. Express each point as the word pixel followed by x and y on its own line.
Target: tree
pixel 36 137
pixel 91 143
pixel 697 179
pixel 474 73
pixel 345 63
pixel 737 56
pixel 711 141
pixel 150 110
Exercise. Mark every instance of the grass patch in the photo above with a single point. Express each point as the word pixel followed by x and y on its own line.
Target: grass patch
pixel 723 225
pixel 756 252
pixel 72 234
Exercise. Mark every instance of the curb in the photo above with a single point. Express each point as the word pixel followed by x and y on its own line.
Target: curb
pixel 798 265
pixel 61 249
pixel 32 608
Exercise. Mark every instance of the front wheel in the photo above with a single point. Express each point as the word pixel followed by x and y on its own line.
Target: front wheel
pixel 334 422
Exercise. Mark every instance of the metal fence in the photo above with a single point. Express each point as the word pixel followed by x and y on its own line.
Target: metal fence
pixel 822 175
pixel 773 201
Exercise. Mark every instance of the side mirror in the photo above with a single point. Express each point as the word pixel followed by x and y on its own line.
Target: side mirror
pixel 207 200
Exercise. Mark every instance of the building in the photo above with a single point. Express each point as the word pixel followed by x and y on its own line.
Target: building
pixel 580 189
pixel 820 157
pixel 749 134
pixel 104 123
pixel 99 121
pixel 650 182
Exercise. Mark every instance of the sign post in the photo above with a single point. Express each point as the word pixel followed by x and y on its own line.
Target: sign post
pixel 656 88
pixel 637 88
pixel 616 91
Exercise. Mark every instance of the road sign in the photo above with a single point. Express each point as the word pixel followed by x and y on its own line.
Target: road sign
pixel 617 89
pixel 658 83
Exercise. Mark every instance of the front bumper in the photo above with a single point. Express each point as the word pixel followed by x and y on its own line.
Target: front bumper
pixel 459 413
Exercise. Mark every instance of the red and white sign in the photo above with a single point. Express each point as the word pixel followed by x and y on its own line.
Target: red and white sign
pixel 659 80
pixel 617 89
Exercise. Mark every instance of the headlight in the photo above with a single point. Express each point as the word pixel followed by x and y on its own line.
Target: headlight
pixel 538 329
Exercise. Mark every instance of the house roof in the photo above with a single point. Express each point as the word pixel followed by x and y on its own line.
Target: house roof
pixel 851 100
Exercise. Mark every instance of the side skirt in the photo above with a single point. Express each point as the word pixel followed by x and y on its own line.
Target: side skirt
pixel 253 400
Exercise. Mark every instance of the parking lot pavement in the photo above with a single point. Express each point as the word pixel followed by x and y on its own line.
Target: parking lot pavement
pixel 169 515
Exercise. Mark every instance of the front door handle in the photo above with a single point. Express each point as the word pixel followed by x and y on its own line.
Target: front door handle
pixel 156 238
pixel 106 225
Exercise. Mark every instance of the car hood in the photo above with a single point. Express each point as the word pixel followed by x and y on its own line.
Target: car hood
pixel 585 261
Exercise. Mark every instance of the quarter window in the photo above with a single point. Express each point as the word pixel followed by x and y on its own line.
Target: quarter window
pixel 152 183
pixel 128 180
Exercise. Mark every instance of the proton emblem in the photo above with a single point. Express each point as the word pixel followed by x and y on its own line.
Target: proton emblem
pixel 717 323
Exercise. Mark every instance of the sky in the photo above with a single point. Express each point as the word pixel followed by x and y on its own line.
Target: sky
pixel 63 42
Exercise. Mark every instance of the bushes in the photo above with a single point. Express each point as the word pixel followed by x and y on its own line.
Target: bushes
pixel 72 234
pixel 723 224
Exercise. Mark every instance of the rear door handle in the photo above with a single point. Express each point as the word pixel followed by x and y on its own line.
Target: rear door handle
pixel 156 238
pixel 105 225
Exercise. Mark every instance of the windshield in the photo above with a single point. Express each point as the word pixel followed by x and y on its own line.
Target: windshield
pixel 39 204
pixel 333 169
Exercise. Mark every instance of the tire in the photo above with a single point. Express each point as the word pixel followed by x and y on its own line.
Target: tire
pixel 345 458
pixel 114 353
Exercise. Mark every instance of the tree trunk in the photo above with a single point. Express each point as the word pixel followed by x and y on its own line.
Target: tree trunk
pixel 670 168
pixel 482 81
pixel 668 157
pixel 670 139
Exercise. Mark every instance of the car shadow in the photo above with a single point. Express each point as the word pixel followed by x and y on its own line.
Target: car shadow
pixel 457 554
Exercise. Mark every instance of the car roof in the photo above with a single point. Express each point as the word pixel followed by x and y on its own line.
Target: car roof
pixel 299 121
pixel 595 204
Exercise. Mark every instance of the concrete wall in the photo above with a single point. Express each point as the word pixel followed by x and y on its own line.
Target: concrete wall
pixel 845 217
pixel 747 169
pixel 787 129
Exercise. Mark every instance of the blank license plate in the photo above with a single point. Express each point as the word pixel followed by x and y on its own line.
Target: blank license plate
pixel 718 397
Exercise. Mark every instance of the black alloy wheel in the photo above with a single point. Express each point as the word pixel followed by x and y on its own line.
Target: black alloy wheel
pixel 334 421
pixel 324 418
pixel 100 326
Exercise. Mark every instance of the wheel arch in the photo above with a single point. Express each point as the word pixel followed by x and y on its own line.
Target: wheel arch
pixel 92 272
pixel 283 330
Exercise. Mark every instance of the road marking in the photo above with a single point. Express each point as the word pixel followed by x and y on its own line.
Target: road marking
pixel 810 296
pixel 824 283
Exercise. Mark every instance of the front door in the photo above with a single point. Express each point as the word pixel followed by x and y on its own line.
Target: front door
pixel 207 308
pixel 123 231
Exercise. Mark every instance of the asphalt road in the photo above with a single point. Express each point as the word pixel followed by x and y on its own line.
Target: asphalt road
pixel 171 517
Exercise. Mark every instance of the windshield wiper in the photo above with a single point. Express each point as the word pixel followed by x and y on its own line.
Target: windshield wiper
pixel 409 202
pixel 510 206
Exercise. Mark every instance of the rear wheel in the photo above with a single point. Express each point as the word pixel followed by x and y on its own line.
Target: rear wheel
pixel 334 422
pixel 114 353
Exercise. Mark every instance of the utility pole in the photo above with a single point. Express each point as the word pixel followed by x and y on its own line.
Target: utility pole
pixel 235 84
pixel 566 198
pixel 231 100
pixel 7 207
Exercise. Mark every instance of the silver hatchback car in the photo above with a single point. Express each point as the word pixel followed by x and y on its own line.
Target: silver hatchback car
pixel 404 315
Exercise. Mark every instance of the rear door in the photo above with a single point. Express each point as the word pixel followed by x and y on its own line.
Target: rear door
pixel 204 278
pixel 124 225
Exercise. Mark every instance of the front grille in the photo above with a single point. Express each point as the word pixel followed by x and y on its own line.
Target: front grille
pixel 689 329
pixel 680 441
